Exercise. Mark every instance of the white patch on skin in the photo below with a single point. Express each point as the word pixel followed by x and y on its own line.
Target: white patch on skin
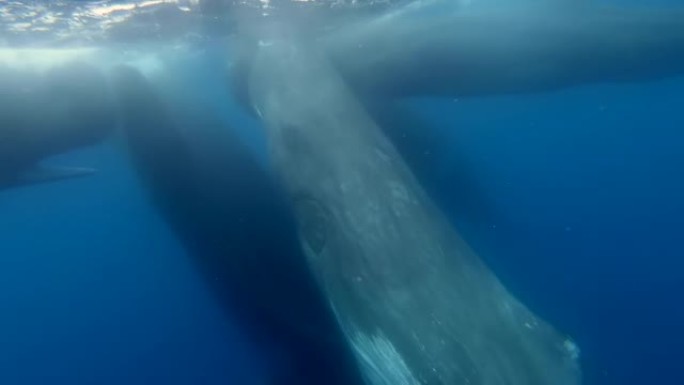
pixel 400 198
pixel 258 112
pixel 572 349
pixel 381 363
pixel 384 157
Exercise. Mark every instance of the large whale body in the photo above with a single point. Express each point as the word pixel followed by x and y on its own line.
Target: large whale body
pixel 237 228
pixel 414 301
pixel 48 112
pixel 483 51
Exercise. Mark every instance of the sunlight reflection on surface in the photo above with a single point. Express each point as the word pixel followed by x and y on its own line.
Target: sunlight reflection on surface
pixel 40 23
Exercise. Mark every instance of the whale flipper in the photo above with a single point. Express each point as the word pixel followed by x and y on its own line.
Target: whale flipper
pixel 42 173
pixel 48 173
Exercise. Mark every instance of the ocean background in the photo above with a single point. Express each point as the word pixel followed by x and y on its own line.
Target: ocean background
pixel 574 198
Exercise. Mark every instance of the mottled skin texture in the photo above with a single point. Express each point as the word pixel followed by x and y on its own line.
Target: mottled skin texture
pixel 415 302
pixel 45 114
pixel 510 50
pixel 238 229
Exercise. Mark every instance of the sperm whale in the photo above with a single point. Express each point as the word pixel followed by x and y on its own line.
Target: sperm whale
pixel 507 50
pixel 238 230
pixel 415 302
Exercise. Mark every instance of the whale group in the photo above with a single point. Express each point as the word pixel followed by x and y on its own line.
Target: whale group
pixel 362 280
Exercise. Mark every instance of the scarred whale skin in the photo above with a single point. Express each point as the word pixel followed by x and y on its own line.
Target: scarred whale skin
pixel 417 305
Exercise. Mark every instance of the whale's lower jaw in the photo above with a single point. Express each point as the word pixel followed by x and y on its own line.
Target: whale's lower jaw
pixel 380 361
pixel 403 355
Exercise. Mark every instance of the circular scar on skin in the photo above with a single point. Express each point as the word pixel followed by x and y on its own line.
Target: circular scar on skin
pixel 314 222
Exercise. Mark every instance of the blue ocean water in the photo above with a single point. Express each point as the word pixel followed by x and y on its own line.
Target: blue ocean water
pixel 583 215
pixel 96 290
pixel 578 211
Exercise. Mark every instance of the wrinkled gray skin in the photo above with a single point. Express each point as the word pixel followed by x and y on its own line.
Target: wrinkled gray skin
pixel 511 50
pixel 43 115
pixel 416 304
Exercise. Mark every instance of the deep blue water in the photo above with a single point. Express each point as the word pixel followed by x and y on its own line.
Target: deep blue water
pixel 96 290
pixel 583 215
pixel 579 211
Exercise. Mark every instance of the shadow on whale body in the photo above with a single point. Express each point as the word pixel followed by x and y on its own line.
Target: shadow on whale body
pixel 238 230
pixel 428 150
pixel 415 303
pixel 45 114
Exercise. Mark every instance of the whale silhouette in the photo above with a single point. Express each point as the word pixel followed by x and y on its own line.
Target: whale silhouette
pixel 237 228
pixel 509 50
pixel 43 114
